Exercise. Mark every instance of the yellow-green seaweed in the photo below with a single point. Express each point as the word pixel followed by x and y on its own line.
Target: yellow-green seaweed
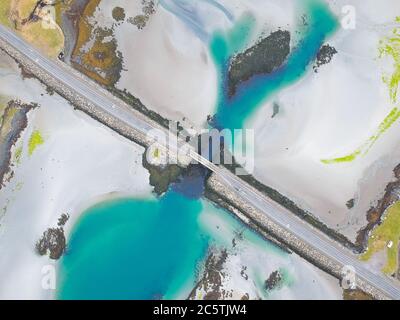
pixel 18 155
pixel 348 158
pixel 390 47
pixel 389 120
pixel 35 141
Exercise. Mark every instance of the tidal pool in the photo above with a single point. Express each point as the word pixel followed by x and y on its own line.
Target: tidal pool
pixel 148 249
pixel 134 249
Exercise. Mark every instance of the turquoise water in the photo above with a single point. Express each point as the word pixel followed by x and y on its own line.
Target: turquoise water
pixel 234 111
pixel 134 249
pixel 147 249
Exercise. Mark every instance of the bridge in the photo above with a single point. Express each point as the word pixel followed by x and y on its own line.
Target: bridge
pixel 57 74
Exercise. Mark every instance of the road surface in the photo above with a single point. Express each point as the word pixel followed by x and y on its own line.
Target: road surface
pixel 243 191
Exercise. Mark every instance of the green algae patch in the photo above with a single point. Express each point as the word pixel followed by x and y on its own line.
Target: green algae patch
pixel 156 153
pixel 386 235
pixel 35 141
pixel 19 186
pixel 390 119
pixel 386 124
pixel 18 155
pixel 349 158
pixel 390 47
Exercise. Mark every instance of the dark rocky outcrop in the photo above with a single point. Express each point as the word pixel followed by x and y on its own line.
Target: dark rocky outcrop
pixel 273 281
pixel 141 20
pixel 211 281
pixel 118 14
pixel 162 176
pixel 263 58
pixel 63 219
pixel 275 109
pixel 52 242
pixel 324 56
pixel 350 204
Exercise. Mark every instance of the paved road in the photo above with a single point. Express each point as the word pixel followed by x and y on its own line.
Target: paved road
pixel 243 191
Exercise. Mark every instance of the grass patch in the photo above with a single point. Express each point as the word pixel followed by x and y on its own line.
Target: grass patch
pixel 387 232
pixel 35 141
pixel 60 7
pixel 5 7
pixel 15 15
pixel 25 7
pixel 50 41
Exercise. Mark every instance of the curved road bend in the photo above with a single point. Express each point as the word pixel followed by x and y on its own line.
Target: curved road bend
pixel 278 214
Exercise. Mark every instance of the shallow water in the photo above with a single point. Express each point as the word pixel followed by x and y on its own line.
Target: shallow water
pixel 134 249
pixel 148 249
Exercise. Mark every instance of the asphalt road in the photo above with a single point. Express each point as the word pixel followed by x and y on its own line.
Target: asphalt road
pixel 274 211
